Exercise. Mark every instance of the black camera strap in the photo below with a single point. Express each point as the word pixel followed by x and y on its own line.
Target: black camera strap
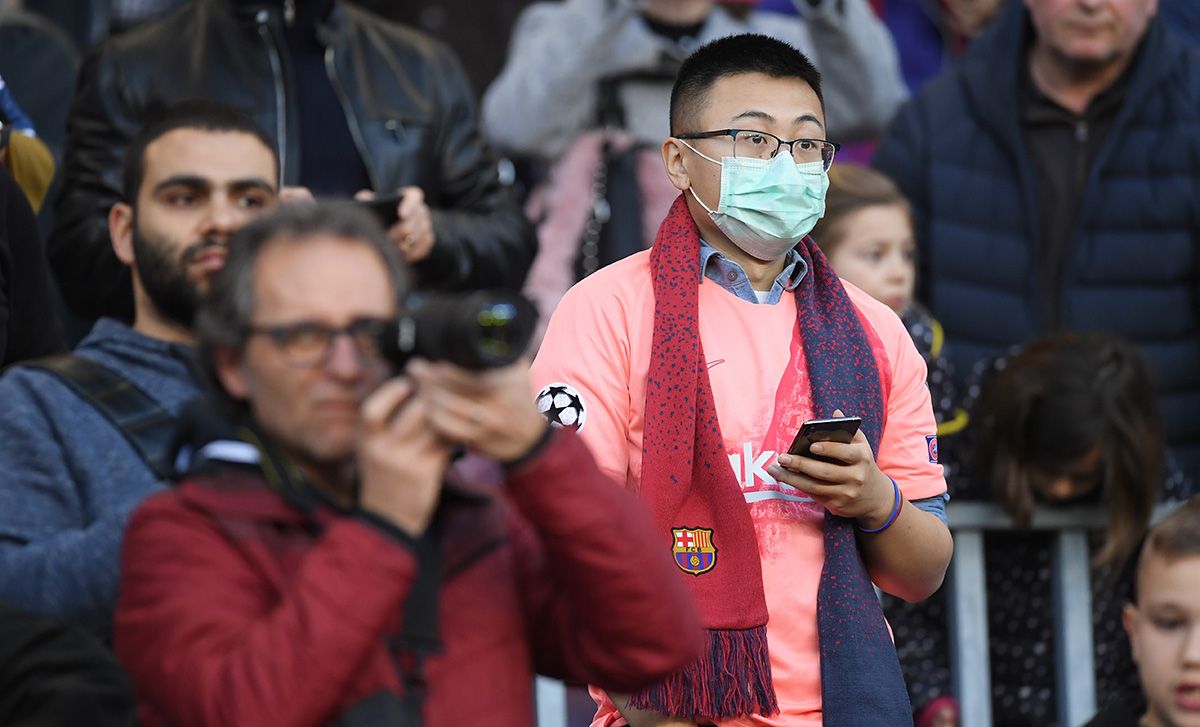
pixel 146 425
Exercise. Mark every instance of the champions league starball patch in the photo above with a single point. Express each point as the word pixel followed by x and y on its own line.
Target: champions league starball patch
pixel 562 405
pixel 693 549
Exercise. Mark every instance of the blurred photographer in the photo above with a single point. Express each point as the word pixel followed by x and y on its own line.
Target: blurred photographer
pixel 318 564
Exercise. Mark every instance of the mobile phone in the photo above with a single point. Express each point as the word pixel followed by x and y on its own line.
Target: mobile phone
pixel 837 429
pixel 384 207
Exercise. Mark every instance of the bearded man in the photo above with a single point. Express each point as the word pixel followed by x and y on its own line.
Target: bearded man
pixel 83 437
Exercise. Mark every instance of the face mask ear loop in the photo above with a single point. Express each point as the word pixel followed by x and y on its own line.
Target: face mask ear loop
pixel 698 152
pixel 706 208
pixel 703 156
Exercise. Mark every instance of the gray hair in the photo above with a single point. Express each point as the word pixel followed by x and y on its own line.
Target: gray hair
pixel 225 314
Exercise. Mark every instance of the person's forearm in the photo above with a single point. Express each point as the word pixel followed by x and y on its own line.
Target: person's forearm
pixel 615 613
pixel 492 249
pixel 909 558
pixel 70 576
pixel 544 94
pixel 198 623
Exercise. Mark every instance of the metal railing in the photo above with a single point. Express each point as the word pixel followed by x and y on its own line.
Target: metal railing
pixel 966 597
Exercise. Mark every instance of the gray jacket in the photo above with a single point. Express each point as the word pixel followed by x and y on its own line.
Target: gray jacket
pixel 69 480
pixel 547 93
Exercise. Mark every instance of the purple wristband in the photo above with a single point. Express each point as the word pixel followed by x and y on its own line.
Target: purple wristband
pixel 896 507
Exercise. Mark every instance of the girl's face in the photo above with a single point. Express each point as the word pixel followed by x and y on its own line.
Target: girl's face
pixel 1069 480
pixel 877 253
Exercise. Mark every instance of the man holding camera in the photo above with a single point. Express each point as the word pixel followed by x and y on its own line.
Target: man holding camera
pixel 85 437
pixel 317 565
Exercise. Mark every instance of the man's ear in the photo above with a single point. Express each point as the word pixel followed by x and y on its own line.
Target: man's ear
pixel 672 154
pixel 228 365
pixel 120 229
pixel 1128 617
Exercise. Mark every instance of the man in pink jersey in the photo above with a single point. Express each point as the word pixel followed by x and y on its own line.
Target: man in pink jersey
pixel 687 369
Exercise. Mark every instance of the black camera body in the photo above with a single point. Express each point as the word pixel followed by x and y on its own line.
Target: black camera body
pixel 480 330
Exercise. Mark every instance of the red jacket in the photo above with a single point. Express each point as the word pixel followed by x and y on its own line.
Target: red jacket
pixel 234 610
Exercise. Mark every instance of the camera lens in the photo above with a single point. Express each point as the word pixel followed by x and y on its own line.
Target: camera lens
pixel 480 330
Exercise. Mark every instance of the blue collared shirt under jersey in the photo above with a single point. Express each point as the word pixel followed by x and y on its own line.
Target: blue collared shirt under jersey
pixel 730 276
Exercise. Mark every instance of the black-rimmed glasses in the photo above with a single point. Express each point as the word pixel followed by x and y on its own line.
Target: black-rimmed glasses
pixel 308 343
pixel 750 144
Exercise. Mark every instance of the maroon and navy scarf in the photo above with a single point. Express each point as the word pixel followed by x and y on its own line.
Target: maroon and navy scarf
pixel 690 488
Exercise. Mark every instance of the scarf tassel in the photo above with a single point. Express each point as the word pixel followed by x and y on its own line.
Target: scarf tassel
pixel 733 679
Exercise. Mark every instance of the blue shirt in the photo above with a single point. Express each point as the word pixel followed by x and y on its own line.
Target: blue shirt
pixel 732 277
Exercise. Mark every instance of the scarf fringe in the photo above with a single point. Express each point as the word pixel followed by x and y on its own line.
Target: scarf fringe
pixel 732 679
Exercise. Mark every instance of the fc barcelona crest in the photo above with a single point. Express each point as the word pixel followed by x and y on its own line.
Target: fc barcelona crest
pixel 693 549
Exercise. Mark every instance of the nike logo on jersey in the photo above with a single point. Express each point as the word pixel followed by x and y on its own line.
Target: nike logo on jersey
pixel 750 468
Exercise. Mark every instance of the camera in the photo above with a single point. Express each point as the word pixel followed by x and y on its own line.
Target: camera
pixel 479 330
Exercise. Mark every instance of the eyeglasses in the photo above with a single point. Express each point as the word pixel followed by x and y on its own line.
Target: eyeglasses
pixel 750 144
pixel 308 343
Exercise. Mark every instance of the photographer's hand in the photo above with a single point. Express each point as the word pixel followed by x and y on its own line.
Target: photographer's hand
pixel 401 459
pixel 491 412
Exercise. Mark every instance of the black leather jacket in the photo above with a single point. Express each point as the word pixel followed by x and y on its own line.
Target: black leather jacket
pixel 409 108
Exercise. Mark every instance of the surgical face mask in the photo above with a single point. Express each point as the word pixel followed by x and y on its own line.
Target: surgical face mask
pixel 767 205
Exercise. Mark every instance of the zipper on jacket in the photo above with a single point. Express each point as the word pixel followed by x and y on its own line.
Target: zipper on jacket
pixel 281 140
pixel 1082 132
pixel 1058 266
pixel 351 119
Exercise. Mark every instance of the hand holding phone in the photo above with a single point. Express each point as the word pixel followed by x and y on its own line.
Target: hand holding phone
pixel 385 208
pixel 835 429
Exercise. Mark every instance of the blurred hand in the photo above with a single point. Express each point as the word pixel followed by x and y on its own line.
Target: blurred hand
pixel 854 487
pixel 677 12
pixel 491 412
pixel 413 234
pixel 401 459
pixel 288 195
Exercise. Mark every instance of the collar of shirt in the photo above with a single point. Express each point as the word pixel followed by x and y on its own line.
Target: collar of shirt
pixel 730 276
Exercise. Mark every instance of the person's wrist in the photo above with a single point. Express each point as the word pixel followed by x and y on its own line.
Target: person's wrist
pixel 886 507
pixel 385 508
pixel 410 526
pixel 532 434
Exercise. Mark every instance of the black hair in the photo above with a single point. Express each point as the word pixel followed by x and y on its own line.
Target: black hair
pixel 1060 398
pixel 193 114
pixel 730 56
